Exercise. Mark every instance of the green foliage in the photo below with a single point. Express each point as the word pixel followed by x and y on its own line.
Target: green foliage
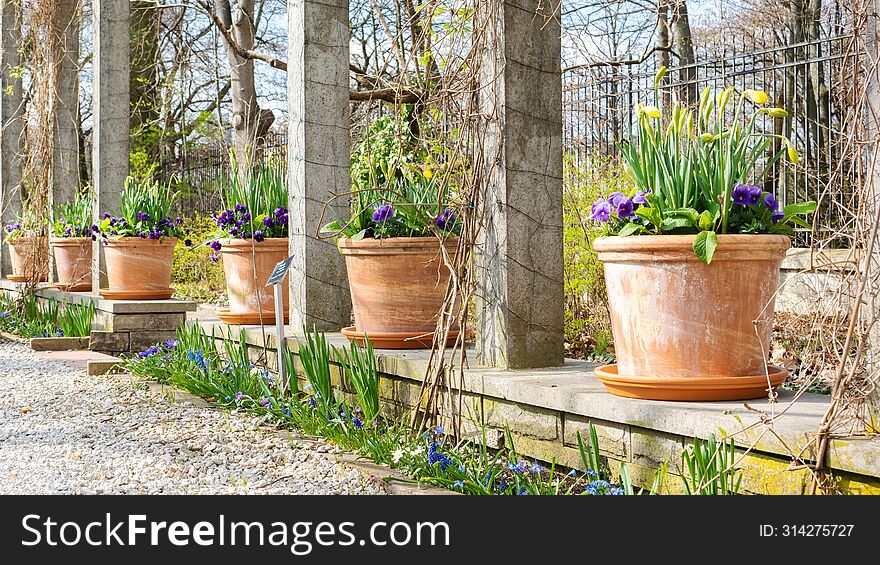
pixel 359 367
pixel 74 218
pixel 314 354
pixel 145 209
pixel 710 468
pixel 29 318
pixel 587 326
pixel 194 275
pixel 262 189
pixel 391 167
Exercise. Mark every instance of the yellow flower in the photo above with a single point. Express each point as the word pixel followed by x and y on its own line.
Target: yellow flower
pixel 792 154
pixel 428 173
pixel 707 138
pixel 651 111
pixel 757 96
pixel 777 112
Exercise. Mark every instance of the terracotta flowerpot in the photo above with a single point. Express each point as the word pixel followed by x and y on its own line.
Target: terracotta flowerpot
pixel 247 265
pixel 30 258
pixel 73 261
pixel 397 289
pixel 139 269
pixel 684 330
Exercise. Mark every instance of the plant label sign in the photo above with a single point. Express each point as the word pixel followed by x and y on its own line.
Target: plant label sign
pixel 279 271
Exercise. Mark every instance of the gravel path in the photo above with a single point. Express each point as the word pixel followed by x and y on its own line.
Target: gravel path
pixel 62 431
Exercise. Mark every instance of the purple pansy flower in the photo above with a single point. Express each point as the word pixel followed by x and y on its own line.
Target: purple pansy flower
pixel 616 198
pixel 601 211
pixel 446 219
pixel 771 202
pixel 742 194
pixel 639 197
pixel 624 208
pixel 383 213
pixel 776 216
pixel 258 236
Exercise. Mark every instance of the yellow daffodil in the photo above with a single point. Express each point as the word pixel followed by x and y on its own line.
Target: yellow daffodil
pixel 707 138
pixel 428 173
pixel 757 96
pixel 651 111
pixel 793 154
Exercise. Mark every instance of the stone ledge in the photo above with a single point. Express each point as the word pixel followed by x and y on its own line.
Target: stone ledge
pixel 572 389
pixel 59 343
pixel 830 259
pixel 44 290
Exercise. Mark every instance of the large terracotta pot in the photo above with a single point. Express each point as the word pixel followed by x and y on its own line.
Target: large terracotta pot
pixel 30 258
pixel 247 265
pixel 138 268
pixel 684 330
pixel 73 261
pixel 397 287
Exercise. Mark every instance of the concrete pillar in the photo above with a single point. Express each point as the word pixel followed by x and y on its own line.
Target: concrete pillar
pixel 65 146
pixel 110 109
pixel 64 176
pixel 11 118
pixel 319 157
pixel 519 261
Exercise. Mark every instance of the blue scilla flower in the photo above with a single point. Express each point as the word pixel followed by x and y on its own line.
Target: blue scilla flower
pixel 60 332
pixel 239 395
pixel 592 473
pixel 357 423
pixel 228 398
pixel 618 491
pixel 522 491
pixel 439 430
pixel 437 458
pixel 312 402
pixel 536 469
pixel 199 358
pixel 573 473
pixel 602 483
pixel 458 484
pixel 171 343
pixel 591 489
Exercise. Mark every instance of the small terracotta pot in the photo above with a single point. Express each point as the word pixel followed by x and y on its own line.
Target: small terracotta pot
pixel 247 265
pixel 73 261
pixel 397 289
pixel 139 269
pixel 30 258
pixel 675 318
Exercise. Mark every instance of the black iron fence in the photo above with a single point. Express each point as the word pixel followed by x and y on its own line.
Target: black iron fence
pixel 809 79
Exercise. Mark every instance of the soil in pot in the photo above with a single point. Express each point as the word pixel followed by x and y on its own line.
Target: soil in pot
pixel 247 265
pixel 684 330
pixel 139 268
pixel 30 259
pixel 73 261
pixel 397 288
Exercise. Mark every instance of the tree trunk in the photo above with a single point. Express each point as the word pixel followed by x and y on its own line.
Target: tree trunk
pixel 65 144
pixel 663 45
pixel 250 123
pixel 687 72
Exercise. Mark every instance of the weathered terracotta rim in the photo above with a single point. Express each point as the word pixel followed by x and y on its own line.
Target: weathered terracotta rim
pixel 140 241
pixel 27 278
pixel 239 245
pixel 394 245
pixel 74 288
pixel 396 340
pixel 739 247
pixel 68 241
pixel 250 318
pixel 160 294
pixel 690 388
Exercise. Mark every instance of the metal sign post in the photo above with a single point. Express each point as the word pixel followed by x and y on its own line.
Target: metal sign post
pixel 275 279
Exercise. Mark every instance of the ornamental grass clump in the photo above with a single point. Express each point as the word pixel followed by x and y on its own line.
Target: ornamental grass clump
pixel 145 212
pixel 697 171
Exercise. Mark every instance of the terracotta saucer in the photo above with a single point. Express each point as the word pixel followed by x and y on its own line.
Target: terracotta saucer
pixel 25 278
pixel 247 318
pixel 396 340
pixel 73 288
pixel 161 294
pixel 689 389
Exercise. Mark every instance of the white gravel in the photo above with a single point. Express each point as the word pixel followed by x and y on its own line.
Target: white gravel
pixel 64 432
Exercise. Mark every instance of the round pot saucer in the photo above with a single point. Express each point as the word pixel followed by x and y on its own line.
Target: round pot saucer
pixel 690 389
pixel 161 294
pixel 227 316
pixel 397 340
pixel 73 288
pixel 26 278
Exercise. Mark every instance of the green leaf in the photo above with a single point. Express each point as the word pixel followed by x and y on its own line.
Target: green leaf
pixel 798 221
pixel 800 208
pixel 332 227
pixel 688 213
pixel 650 214
pixel 629 229
pixel 674 223
pixel 706 220
pixel 359 235
pixel 705 244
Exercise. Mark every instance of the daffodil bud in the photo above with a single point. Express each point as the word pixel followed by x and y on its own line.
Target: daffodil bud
pixel 707 138
pixel 651 111
pixel 757 96
pixel 660 74
pixel 776 112
pixel 793 154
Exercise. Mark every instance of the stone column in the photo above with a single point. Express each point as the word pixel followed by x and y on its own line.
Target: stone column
pixel 110 108
pixel 64 176
pixel 65 146
pixel 11 118
pixel 519 261
pixel 319 157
